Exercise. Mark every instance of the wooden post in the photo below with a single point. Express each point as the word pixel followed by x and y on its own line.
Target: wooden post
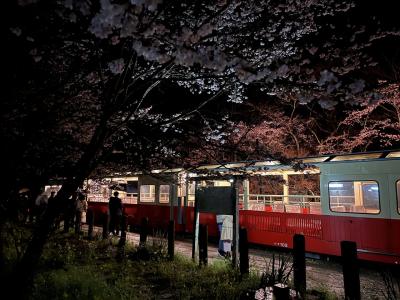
pixel 171 239
pixel 105 225
pixel 235 237
pixel 185 205
pixel 351 273
pixel 246 192
pixel 203 244
pixel 179 211
pixel 130 225
pixel 143 231
pixel 286 188
pixel 90 221
pixel 185 200
pixel 172 199
pixel 196 218
pixel 299 264
pixel 122 240
pixel 78 220
pixel 244 251
pixel 67 220
pixel 281 291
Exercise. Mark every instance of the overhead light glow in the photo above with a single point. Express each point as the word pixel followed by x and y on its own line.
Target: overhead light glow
pixel 336 185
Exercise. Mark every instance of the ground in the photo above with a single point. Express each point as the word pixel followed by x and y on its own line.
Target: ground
pixel 322 274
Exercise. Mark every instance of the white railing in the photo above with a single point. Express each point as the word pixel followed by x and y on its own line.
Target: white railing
pixel 289 199
pixel 92 198
pixel 130 200
pixel 147 197
pixel 342 200
pixel 281 203
pixel 278 203
pixel 125 200
pixel 164 197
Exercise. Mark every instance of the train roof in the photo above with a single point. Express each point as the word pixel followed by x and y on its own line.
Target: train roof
pixel 271 167
pixel 357 156
pixel 307 161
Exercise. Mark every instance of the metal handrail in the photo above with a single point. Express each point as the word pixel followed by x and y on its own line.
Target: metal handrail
pixel 164 197
pixel 270 199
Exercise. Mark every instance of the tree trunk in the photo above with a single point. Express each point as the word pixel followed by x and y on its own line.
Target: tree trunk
pixel 2 257
pixel 25 270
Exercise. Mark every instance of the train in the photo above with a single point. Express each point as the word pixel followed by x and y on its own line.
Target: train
pixel 357 199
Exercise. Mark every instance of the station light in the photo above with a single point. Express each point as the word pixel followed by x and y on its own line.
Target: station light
pixel 335 185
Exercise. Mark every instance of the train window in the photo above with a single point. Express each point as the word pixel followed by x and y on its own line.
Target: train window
pixel 354 196
pixel 398 195
pixel 147 193
pixel 164 193
pixel 131 187
pixel 192 188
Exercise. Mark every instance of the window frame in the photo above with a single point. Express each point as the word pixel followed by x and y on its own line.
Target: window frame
pixel 351 212
pixel 129 182
pixel 140 194
pixel 397 196
pixel 159 194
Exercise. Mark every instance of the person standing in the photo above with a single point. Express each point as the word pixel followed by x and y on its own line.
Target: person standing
pixel 83 205
pixel 220 220
pixel 32 208
pixel 115 209
pixel 52 207
pixel 227 234
pixel 80 209
pixel 50 201
pixel 225 229
pixel 41 204
pixel 69 211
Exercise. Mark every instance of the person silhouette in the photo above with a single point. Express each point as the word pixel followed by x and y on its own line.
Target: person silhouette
pixel 115 209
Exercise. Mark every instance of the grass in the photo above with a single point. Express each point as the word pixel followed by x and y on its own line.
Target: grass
pixel 217 281
pixel 74 268
pixel 321 293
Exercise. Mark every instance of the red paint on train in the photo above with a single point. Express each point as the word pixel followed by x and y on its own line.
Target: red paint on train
pixel 374 237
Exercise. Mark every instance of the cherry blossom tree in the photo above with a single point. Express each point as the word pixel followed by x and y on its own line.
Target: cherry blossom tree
pixel 277 134
pixel 373 125
pixel 107 70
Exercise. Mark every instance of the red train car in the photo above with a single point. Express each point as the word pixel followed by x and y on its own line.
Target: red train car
pixel 358 201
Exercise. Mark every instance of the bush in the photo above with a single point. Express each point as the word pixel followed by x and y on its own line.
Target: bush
pixel 155 249
pixel 63 250
pixel 73 283
pixel 217 281
pixel 321 293
pixel 277 270
pixel 75 268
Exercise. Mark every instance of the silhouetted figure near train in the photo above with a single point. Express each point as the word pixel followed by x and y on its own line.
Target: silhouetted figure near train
pixel 31 208
pixel 80 208
pixel 69 212
pixel 51 206
pixel 22 207
pixel 41 204
pixel 51 198
pixel 115 209
pixel 225 229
